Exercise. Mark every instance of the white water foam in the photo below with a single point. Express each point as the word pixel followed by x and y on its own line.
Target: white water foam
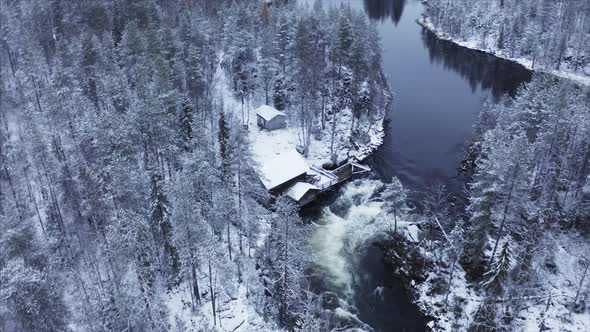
pixel 339 237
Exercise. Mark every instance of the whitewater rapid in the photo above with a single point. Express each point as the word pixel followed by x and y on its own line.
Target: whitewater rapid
pixel 343 229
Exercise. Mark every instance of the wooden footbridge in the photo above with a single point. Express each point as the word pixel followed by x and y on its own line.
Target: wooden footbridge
pixel 319 180
pixel 347 170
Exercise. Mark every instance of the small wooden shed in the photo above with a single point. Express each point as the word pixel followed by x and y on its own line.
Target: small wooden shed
pixel 269 118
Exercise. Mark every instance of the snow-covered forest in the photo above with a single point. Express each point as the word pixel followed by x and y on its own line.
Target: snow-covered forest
pixel 128 197
pixel 518 258
pixel 131 197
pixel 547 34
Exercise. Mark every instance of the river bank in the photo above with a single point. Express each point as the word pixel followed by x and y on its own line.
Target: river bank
pixel 475 44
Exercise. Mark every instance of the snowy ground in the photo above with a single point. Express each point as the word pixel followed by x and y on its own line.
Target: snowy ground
pixel 549 306
pixel 235 309
pixel 475 44
pixel 235 312
pixel 267 144
pixel 561 285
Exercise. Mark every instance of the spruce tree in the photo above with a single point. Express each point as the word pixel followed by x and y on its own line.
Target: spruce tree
pixel 279 96
pixel 497 274
pixel 223 136
pixel 186 123
pixel 162 228
pixel 394 199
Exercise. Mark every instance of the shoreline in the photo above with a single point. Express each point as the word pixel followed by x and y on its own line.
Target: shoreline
pixel 424 21
pixel 436 317
pixel 368 150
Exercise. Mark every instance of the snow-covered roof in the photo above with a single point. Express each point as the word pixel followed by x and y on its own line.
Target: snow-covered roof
pixel 414 233
pixel 268 112
pixel 282 168
pixel 299 189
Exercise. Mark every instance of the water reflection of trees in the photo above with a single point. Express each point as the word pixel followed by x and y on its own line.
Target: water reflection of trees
pixel 381 9
pixel 478 68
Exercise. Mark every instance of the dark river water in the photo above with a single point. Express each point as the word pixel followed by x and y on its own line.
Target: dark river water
pixel 439 89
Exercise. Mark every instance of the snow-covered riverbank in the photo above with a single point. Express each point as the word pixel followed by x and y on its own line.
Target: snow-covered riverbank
pixel 547 307
pixel 475 43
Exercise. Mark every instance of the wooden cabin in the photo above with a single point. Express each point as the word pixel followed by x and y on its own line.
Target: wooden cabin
pixel 288 173
pixel 269 118
pixel 279 173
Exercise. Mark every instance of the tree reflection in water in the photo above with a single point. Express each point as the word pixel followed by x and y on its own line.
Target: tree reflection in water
pixel 380 10
pixel 478 68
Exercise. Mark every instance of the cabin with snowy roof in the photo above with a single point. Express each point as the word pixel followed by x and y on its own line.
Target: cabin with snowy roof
pixel 288 174
pixel 269 118
pixel 282 171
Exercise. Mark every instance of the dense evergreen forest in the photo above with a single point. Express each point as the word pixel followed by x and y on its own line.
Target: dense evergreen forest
pixel 125 181
pixel 523 239
pixel 549 34
pixel 129 192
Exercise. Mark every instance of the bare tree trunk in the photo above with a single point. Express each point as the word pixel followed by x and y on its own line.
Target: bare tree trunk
pixel 15 198
pixel 323 111
pixel 285 275
pixel 266 100
pixel 54 200
pixel 395 224
pixel 32 195
pixel 212 291
pixel 248 113
pixel 146 299
pixel 240 220
pixel 580 43
pixel 229 240
pixel 196 292
pixel 580 287
pixel 455 258
pixel 333 135
pixel 542 326
pixel 36 94
pixel 242 107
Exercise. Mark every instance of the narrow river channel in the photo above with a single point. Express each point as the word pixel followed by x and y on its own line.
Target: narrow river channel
pixel 439 89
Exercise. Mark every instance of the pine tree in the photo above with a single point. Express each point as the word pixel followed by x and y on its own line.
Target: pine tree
pixel 394 198
pixel 344 41
pixel 482 199
pixel 195 67
pixel 186 124
pixel 284 40
pixel 223 136
pixel 285 259
pixel 162 228
pixel 497 274
pixel 280 96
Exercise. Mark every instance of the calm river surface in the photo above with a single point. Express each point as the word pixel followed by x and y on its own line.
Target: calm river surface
pixel 439 89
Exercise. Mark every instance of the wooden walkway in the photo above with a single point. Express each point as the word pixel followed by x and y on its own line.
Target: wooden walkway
pixel 333 178
pixel 346 171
